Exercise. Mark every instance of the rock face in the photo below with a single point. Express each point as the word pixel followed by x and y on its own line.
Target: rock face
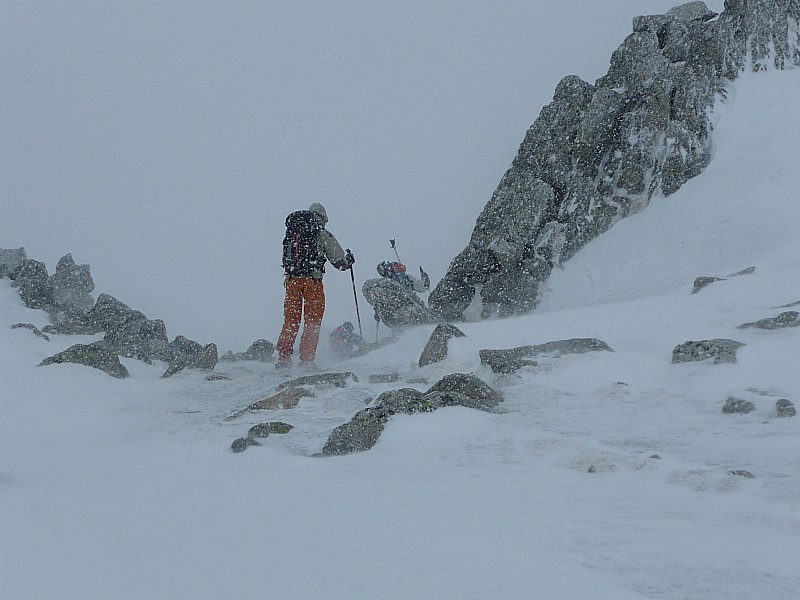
pixel 363 430
pixel 600 151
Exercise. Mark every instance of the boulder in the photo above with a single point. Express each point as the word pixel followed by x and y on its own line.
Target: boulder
pixel 187 354
pixel 784 408
pixel 242 444
pixel 394 305
pixel 141 339
pixel 32 279
pixel 364 429
pixel 260 350
pixel 96 355
pixel 733 405
pixel 436 348
pixel 721 350
pixel 72 285
pixel 510 360
pixel 10 260
pixel 470 386
pixel 263 430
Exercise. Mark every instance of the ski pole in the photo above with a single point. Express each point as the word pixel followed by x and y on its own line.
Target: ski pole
pixel 355 296
pixel 395 251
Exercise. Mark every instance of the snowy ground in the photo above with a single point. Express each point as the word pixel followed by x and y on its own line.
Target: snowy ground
pixel 606 476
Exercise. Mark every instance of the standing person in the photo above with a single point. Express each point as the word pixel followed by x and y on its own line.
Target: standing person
pixel 305 249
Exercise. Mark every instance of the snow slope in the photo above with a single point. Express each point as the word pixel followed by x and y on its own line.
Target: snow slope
pixel 606 476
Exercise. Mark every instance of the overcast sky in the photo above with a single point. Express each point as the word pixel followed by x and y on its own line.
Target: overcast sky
pixel 163 143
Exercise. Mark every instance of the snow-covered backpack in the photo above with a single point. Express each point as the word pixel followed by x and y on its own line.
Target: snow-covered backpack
pixel 301 244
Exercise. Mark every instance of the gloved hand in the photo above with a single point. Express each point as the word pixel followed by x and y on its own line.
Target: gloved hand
pixel 348 256
pixel 426 281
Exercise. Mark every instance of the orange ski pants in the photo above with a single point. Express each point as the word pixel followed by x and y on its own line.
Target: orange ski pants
pixel 305 297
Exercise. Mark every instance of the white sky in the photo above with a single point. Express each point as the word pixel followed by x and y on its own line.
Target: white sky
pixel 163 143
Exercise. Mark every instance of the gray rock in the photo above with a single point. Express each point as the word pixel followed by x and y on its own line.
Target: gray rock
pixel 692 11
pixel 33 328
pixel 187 354
pixel 364 429
pixel 72 285
pixel 32 281
pixel 733 405
pixel 784 408
pixel 286 399
pixel 436 348
pixel 702 282
pixel 320 379
pixel 721 350
pixel 747 271
pixel 262 430
pixel 242 444
pixel 142 339
pixel 789 318
pixel 470 386
pixel 96 355
pixel 384 377
pixel 741 473
pixel 10 260
pixel 510 360
pixel 598 153
pixel 394 305
pixel 107 314
pixel 260 350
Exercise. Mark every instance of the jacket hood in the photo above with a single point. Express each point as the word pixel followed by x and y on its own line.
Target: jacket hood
pixel 318 209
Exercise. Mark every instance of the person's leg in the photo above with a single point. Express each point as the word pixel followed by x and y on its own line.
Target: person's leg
pixel 292 312
pixel 314 296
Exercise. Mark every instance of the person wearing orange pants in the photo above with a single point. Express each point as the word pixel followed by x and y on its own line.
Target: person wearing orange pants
pixel 305 293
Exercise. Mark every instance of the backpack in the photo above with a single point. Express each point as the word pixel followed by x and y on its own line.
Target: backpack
pixel 301 244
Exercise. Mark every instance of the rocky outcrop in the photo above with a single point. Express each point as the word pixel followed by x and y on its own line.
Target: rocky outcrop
pixel 33 328
pixel 721 350
pixel 512 359
pixel 599 152
pixel 364 429
pixel 436 348
pixel 96 355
